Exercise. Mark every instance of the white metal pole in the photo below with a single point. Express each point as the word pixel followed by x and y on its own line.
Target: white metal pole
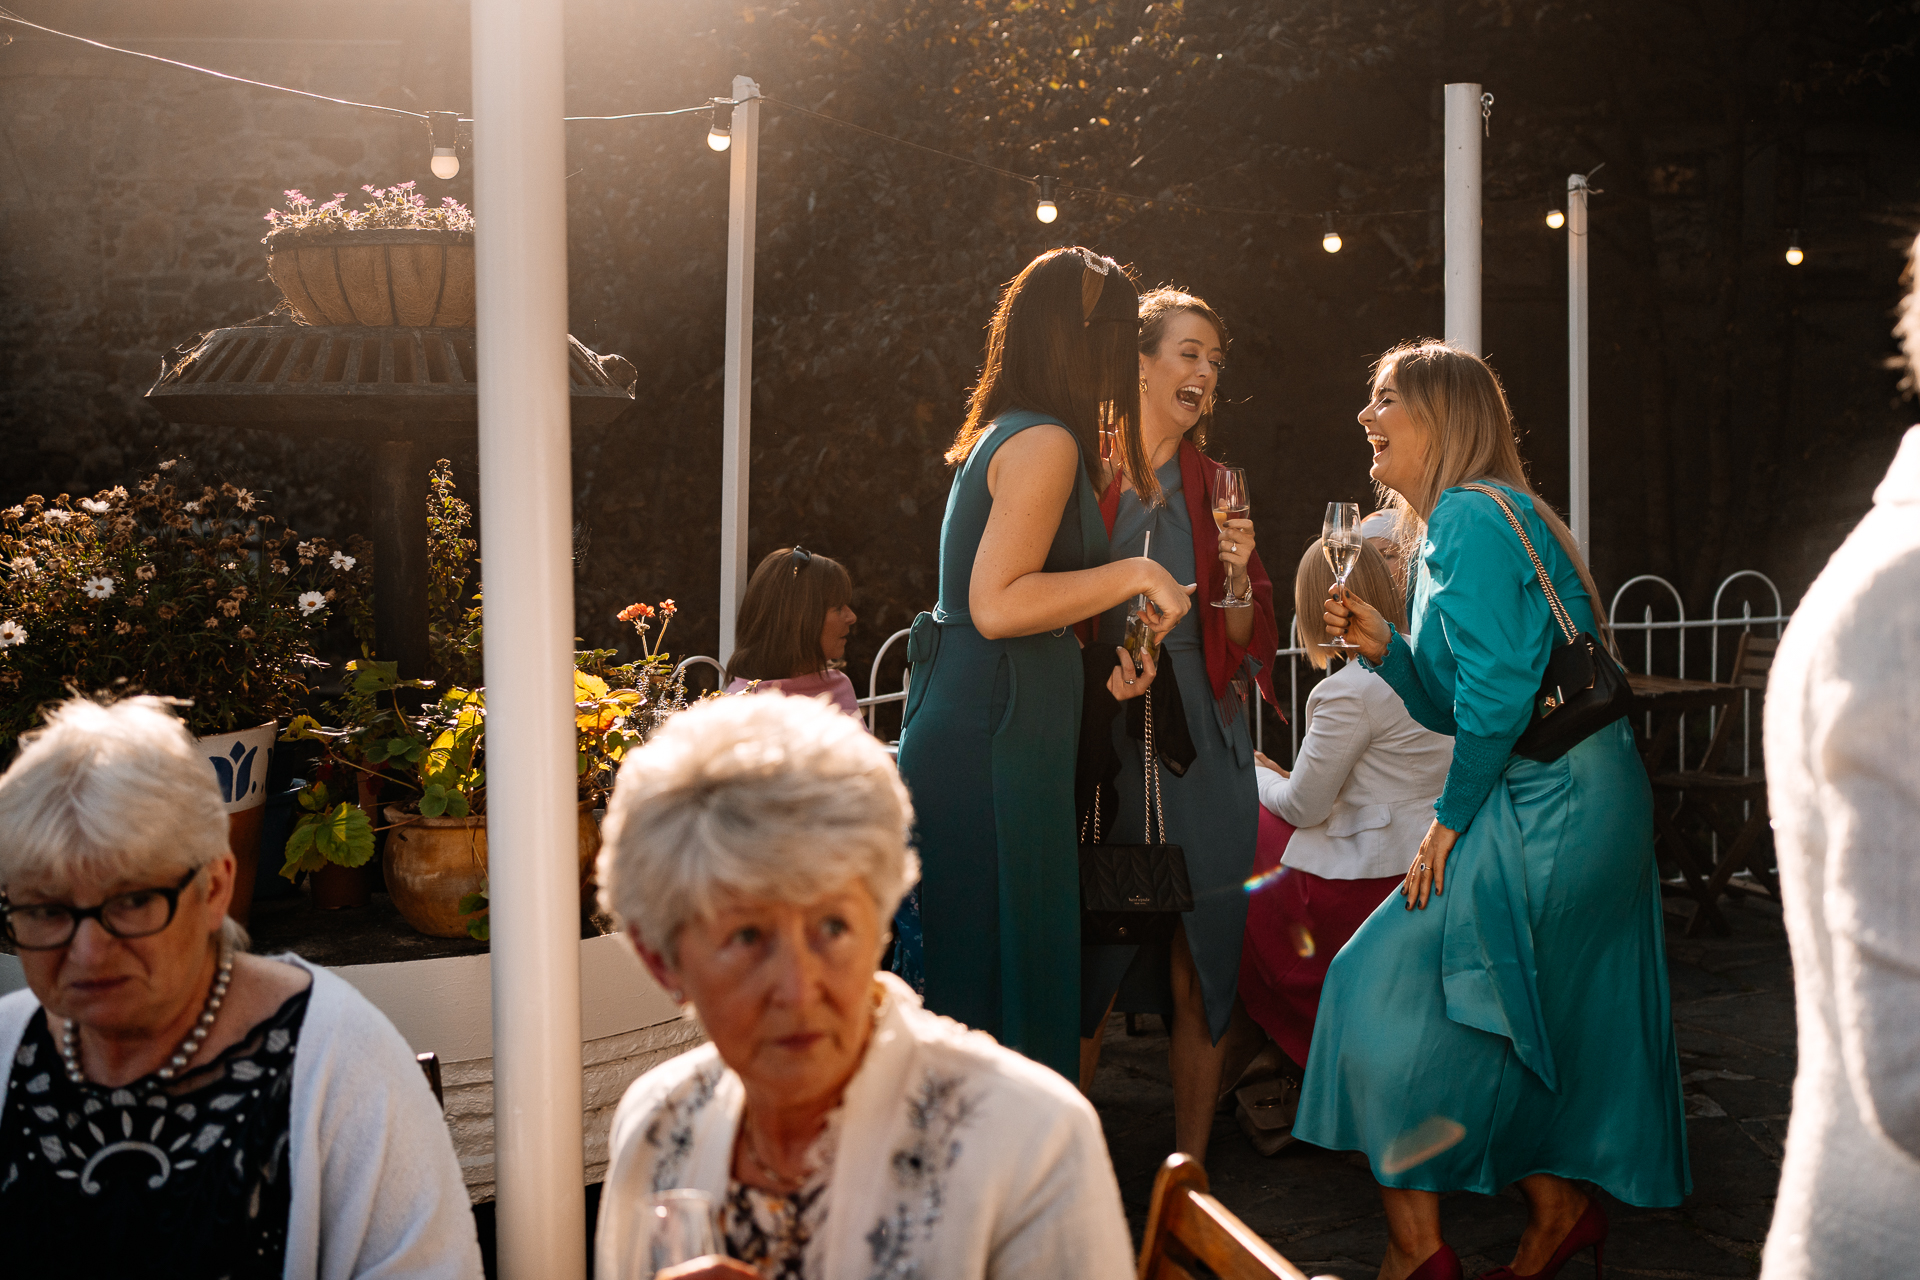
pixel 526 507
pixel 1578 477
pixel 1464 128
pixel 737 406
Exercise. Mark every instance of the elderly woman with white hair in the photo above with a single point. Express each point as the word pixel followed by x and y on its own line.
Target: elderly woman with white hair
pixel 170 1105
pixel 753 851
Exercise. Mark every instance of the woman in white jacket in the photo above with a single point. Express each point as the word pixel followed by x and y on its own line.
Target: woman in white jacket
pixel 1359 799
pixel 754 848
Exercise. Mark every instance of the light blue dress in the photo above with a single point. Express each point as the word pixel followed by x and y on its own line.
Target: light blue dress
pixel 1521 1023
pixel 1212 812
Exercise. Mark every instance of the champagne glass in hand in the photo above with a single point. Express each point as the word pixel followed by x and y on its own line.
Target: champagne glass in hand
pixel 1230 503
pixel 680 1229
pixel 1340 541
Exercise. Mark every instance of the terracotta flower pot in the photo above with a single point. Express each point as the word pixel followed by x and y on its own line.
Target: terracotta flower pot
pixel 337 888
pixel 397 277
pixel 240 761
pixel 432 863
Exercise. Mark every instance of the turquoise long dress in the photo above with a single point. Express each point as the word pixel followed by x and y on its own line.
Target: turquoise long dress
pixel 1213 812
pixel 1521 1023
pixel 987 750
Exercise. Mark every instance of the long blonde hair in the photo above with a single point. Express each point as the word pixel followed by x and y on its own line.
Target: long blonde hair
pixel 1458 402
pixel 1371 580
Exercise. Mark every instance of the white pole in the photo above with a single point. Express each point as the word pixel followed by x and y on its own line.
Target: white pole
pixel 1578 477
pixel 1464 129
pixel 737 407
pixel 526 507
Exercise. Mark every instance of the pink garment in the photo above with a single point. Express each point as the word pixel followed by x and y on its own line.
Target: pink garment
pixel 832 683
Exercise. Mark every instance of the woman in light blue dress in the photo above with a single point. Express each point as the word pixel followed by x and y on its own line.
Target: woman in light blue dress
pixel 1505 1017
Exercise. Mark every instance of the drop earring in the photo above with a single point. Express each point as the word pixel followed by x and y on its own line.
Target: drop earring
pixel 1143 385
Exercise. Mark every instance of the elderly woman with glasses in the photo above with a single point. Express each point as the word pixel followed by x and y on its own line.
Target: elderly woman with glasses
pixel 170 1105
pixel 753 851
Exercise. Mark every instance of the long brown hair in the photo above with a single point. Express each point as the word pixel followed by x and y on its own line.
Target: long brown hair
pixel 785 609
pixel 1456 399
pixel 1371 580
pixel 1063 343
pixel 1157 307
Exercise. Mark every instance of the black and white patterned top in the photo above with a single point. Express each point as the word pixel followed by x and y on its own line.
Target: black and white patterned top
pixel 158 1178
pixel 772 1232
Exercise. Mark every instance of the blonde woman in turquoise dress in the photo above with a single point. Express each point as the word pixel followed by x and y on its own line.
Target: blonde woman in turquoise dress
pixel 993 714
pixel 1505 1018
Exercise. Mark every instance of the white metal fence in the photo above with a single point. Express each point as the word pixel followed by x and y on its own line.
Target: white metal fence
pixel 1655 643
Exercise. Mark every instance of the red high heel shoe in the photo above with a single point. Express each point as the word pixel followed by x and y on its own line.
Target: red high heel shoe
pixel 1442 1264
pixel 1591 1229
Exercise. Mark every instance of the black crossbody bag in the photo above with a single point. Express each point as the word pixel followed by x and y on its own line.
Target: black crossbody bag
pixel 1584 689
pixel 1132 893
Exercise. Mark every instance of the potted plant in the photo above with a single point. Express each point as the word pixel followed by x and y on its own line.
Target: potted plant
pixel 398 261
pixel 419 760
pixel 181 589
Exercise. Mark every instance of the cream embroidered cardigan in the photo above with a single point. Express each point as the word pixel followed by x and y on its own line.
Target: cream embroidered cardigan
pixel 957 1160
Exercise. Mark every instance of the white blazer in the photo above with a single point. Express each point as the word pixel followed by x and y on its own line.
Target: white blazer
pixel 957 1160
pixel 1362 789
pixel 1843 781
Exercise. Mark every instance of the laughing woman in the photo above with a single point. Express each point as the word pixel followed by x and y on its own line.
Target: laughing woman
pixel 1201 716
pixel 1504 1018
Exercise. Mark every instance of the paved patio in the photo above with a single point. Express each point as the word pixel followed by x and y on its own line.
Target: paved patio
pixel 1733 1004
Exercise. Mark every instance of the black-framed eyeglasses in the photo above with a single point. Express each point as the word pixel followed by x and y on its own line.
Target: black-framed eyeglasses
pixel 138 913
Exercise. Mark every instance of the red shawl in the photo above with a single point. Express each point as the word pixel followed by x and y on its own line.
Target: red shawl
pixel 1223 656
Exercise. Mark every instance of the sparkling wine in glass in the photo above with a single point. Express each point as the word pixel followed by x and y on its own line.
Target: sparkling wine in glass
pixel 1230 503
pixel 1340 540
pixel 680 1229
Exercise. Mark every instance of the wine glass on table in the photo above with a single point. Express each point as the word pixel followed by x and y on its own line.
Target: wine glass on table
pixel 1230 503
pixel 680 1229
pixel 1340 541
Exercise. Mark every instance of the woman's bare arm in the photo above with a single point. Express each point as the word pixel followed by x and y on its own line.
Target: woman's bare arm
pixel 1008 595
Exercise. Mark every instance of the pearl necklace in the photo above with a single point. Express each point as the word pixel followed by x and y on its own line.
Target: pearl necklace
pixel 223 974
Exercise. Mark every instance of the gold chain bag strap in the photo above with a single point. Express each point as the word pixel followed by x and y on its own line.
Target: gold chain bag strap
pixel 1133 893
pixel 1583 689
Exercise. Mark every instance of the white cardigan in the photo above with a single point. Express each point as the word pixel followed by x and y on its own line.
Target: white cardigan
pixel 1362 788
pixel 376 1189
pixel 956 1160
pixel 1843 781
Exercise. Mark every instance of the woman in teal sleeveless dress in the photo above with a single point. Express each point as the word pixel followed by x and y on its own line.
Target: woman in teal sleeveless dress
pixel 993 713
pixel 1505 1018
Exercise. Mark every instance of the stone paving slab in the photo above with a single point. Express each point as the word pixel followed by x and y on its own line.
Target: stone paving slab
pixel 1733 1008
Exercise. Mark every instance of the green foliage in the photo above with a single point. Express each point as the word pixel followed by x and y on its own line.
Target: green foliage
pixel 475 905
pixel 327 832
pixel 175 588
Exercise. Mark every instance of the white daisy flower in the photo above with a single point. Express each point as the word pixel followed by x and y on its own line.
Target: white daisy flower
pixel 98 508
pixel 312 602
pixel 341 560
pixel 191 508
pixel 12 633
pixel 54 515
pixel 14 513
pixel 98 588
pixel 244 500
pixel 24 566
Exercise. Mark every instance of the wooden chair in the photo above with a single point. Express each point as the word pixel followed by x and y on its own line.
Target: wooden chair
pixel 1718 796
pixel 1190 1235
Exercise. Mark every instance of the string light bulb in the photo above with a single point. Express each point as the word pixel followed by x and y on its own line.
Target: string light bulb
pixel 1556 218
pixel 1331 241
pixel 1794 254
pixel 720 133
pixel 445 126
pixel 1046 210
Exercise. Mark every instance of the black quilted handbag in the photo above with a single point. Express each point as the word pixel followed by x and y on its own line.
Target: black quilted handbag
pixel 1584 690
pixel 1132 893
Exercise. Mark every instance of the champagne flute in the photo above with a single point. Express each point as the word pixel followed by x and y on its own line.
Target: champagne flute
pixel 1138 638
pixel 1340 542
pixel 1230 503
pixel 680 1229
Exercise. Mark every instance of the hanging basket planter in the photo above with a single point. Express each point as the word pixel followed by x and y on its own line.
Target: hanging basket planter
pixel 414 278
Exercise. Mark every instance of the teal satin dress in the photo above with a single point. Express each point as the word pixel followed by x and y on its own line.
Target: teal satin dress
pixel 1521 1023
pixel 987 750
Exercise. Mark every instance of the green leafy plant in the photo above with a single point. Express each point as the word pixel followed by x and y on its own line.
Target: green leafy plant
pixel 177 588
